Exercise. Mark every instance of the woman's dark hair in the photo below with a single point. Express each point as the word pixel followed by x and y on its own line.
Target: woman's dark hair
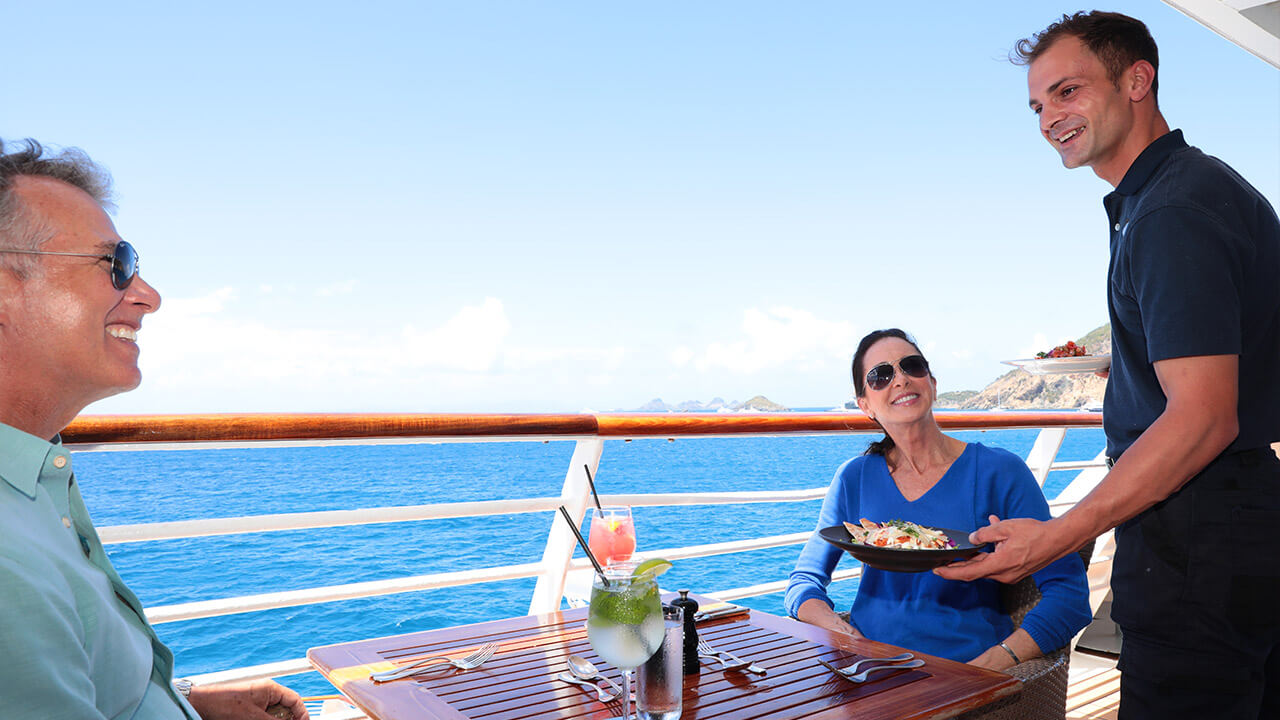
pixel 882 446
pixel 1117 40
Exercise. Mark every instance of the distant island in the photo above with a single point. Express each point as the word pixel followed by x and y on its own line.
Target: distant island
pixel 759 403
pixel 954 399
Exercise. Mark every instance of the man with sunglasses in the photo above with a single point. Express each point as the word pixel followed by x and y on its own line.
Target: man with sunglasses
pixel 1193 397
pixel 76 642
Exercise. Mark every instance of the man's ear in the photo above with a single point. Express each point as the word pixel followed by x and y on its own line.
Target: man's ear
pixel 1138 80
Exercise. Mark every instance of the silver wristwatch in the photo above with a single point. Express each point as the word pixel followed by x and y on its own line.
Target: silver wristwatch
pixel 183 686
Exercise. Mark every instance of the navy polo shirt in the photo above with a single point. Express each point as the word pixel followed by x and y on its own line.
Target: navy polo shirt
pixel 1195 270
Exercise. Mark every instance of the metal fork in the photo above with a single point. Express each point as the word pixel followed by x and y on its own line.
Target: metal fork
pixel 472 661
pixel 728 660
pixel 862 676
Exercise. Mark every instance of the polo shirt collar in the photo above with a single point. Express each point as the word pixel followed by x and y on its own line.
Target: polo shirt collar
pixel 1150 159
pixel 22 457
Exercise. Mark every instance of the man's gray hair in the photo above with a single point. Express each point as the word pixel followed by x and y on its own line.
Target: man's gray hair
pixel 21 229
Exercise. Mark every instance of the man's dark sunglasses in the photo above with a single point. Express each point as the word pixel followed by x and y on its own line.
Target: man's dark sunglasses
pixel 123 259
pixel 879 377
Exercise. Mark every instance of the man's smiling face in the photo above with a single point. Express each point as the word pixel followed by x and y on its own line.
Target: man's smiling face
pixel 1082 113
pixel 68 331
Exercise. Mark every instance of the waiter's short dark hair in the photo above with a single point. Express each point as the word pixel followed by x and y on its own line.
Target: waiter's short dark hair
pixel 1117 40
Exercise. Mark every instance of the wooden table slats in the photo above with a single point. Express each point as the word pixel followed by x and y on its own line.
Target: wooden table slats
pixel 520 683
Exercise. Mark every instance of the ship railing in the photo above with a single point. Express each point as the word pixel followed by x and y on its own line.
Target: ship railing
pixel 557 569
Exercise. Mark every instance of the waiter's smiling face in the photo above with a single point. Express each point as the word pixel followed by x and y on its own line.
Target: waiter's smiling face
pixel 1083 114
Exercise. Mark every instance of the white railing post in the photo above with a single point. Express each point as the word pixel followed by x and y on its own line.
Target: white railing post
pixel 560 540
pixel 1086 481
pixel 1043 453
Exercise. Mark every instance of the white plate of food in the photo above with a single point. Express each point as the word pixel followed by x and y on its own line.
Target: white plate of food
pixel 1063 365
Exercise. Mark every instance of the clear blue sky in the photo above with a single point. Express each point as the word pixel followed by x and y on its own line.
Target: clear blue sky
pixel 557 206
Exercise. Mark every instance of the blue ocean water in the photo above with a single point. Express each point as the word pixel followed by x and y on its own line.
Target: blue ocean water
pixel 155 486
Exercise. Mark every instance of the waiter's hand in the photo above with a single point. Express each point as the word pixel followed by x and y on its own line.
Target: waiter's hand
pixel 1022 546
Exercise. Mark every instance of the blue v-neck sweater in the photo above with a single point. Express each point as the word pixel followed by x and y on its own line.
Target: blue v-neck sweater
pixel 921 611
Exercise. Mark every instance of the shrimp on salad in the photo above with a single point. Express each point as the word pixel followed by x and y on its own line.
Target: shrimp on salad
pixel 898 534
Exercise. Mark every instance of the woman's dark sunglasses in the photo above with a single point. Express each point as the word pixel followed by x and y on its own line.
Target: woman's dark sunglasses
pixel 879 377
pixel 123 259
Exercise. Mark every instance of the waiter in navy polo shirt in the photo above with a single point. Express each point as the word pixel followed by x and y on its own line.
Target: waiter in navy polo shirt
pixel 1193 400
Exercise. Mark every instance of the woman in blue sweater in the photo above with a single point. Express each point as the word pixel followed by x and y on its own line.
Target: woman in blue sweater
pixel 917 473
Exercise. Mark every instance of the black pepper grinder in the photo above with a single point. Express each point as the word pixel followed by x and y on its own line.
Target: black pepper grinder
pixel 692 666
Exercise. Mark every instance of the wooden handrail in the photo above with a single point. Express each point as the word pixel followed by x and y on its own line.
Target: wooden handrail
pixel 662 424
pixel 308 426
pixel 99 429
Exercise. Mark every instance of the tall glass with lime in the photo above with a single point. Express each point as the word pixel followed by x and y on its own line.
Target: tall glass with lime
pixel 624 622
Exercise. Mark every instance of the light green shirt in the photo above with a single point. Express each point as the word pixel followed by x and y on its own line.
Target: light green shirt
pixel 74 642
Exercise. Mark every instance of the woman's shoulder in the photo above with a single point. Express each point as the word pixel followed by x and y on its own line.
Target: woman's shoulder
pixel 855 471
pixel 997 462
pixel 993 455
pixel 999 467
pixel 859 464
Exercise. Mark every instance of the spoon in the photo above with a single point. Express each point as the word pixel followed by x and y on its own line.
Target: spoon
pixel 605 696
pixel 583 669
pixel 851 669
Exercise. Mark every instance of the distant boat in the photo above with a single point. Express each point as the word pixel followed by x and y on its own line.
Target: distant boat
pixel 999 407
pixel 1092 406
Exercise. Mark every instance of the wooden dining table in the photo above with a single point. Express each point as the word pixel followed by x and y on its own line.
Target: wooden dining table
pixel 520 682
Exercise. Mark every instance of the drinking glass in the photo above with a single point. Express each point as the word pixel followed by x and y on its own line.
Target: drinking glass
pixel 660 680
pixel 612 537
pixel 624 622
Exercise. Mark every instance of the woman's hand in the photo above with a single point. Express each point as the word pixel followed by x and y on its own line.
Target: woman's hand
pixel 835 624
pixel 995 658
pixel 816 612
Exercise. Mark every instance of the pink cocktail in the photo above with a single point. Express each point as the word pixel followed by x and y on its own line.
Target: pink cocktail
pixel 612 537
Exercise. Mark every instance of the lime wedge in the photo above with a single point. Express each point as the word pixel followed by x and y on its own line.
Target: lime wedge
pixel 653 566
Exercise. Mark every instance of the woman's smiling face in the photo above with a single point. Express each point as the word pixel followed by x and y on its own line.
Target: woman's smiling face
pixel 906 399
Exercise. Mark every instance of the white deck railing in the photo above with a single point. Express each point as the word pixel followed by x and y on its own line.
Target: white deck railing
pixel 557 563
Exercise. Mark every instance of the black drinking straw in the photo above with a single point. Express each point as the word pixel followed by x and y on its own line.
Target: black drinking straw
pixel 582 541
pixel 592 484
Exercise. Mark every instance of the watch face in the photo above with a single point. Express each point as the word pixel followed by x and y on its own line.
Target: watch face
pixel 183 686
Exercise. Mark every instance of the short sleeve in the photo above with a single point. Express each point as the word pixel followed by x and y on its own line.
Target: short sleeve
pixel 1186 272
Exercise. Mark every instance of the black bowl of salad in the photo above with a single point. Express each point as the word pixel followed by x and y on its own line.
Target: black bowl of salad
pixel 901 546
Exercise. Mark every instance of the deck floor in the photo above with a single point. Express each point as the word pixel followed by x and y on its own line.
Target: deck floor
pixel 1093 688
